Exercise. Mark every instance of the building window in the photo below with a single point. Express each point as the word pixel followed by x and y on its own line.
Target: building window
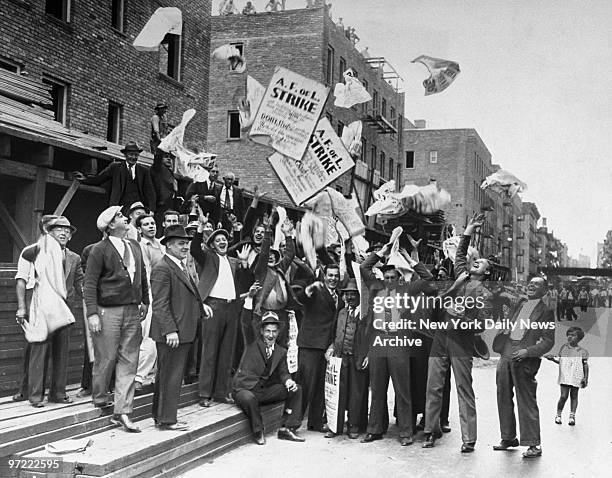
pixel 9 65
pixel 398 178
pixel 58 8
pixel 433 157
pixel 382 164
pixel 341 70
pixel 113 122
pixel 364 149
pixel 383 108
pixel 329 77
pixel 340 128
pixel 170 56
pixel 59 98
pixel 364 106
pixel 240 47
pixel 393 122
pixel 375 102
pixel 233 125
pixel 391 168
pixel 117 9
pixel 409 159
pixel 373 157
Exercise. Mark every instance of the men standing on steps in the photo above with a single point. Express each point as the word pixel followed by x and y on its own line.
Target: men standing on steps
pixel 55 264
pixel 263 377
pixel 177 309
pixel 117 298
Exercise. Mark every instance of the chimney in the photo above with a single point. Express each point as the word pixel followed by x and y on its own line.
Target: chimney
pixel 420 124
pixel 544 222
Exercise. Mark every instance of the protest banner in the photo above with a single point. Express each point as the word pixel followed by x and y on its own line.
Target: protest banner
pixel 332 392
pixel 325 160
pixel 442 73
pixel 288 113
pixel 292 348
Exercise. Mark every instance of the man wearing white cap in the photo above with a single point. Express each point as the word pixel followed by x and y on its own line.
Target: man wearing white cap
pixel 117 298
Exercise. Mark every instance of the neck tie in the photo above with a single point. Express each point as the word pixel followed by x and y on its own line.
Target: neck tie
pixel 335 298
pixel 126 254
pixel 228 203
pixel 268 353
pixel 132 172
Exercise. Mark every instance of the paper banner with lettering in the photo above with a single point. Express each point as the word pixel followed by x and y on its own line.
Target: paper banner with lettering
pixel 325 160
pixel 332 392
pixel 442 73
pixel 288 113
pixel 163 21
pixel 292 348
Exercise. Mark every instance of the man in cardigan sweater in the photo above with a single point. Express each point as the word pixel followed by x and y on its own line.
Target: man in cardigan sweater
pixel 116 295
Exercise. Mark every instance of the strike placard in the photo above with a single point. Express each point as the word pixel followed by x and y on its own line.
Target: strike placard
pixel 332 392
pixel 325 160
pixel 288 112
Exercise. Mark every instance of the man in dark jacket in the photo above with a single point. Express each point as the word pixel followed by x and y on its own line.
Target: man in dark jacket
pixel 129 182
pixel 263 378
pixel 117 298
pixel 177 309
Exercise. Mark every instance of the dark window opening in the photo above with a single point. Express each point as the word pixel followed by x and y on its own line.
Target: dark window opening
pixel 58 8
pixel 170 56
pixel 113 122
pixel 409 159
pixel 59 98
pixel 233 125
pixel 117 9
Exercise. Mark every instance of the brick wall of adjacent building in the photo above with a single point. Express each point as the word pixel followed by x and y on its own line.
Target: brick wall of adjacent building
pixel 100 64
pixel 297 40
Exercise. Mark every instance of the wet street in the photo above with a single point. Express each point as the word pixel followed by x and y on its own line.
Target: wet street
pixel 581 451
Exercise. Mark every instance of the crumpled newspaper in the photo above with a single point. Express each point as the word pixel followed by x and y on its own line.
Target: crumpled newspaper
pixel 504 181
pixel 396 259
pixel 247 107
pixel 163 21
pixel 449 248
pixel 421 199
pixel 351 137
pixel 232 55
pixel 73 445
pixel 351 92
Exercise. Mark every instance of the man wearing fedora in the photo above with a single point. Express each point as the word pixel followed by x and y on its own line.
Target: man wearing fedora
pixel 262 378
pixel 159 125
pixel 349 344
pixel 220 288
pixel 117 299
pixel 57 344
pixel 177 309
pixel 129 182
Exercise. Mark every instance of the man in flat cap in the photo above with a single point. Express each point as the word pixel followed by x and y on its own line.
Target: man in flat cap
pixel 129 182
pixel 117 298
pixel 177 309
pixel 263 377
pixel 219 287
pixel 57 344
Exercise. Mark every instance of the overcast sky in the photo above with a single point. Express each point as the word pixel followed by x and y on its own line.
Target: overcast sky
pixel 535 82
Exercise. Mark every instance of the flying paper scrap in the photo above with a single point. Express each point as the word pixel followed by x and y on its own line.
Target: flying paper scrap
pixel 247 107
pixel 421 199
pixel 351 137
pixel 443 73
pixel 502 180
pixel 351 92
pixel 396 259
pixel 232 55
pixel 163 21
pixel 449 248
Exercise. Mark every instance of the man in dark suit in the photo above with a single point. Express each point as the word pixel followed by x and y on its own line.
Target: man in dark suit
pixel 521 345
pixel 229 201
pixel 321 305
pixel 165 184
pixel 205 194
pixel 57 345
pixel 263 378
pixel 129 182
pixel 220 288
pixel 116 296
pixel 177 309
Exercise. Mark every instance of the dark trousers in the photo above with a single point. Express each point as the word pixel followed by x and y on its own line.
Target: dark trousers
pixel 55 347
pixel 250 400
pixel 436 376
pixel 170 370
pixel 353 391
pixel 397 367
pixel 445 399
pixel 311 373
pixel 560 310
pixel 23 387
pixel 218 342
pixel 116 348
pixel 519 376
pixel 194 356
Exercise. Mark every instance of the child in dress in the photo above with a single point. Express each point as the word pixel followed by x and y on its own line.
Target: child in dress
pixel 573 372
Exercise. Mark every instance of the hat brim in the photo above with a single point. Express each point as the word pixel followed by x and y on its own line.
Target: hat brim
pixel 71 227
pixel 174 236
pixel 215 234
pixel 349 290
pixel 131 150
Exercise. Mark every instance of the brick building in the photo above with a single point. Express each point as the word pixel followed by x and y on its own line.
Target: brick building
pixel 308 42
pixel 527 257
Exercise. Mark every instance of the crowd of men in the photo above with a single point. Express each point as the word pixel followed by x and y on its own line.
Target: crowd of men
pixel 217 302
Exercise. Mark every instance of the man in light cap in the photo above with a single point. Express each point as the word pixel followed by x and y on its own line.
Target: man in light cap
pixel 117 298
pixel 263 378
pixel 57 344
pixel 136 210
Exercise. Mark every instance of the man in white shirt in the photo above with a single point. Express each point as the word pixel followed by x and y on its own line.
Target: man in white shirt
pixel 229 201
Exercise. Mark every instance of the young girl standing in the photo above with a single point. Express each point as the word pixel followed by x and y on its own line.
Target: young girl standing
pixel 573 372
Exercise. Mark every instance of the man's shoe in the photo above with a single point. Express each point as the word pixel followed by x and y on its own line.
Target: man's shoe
pixel 330 434
pixel 124 421
pixel 405 441
pixel 227 399
pixel 430 440
pixel 322 429
pixel 289 434
pixel 19 397
pixel 533 452
pixel 175 427
pixel 370 437
pixel 37 404
pixel 445 428
pixel 206 402
pixel 65 399
pixel 421 425
pixel 505 444
pixel 83 392
pixel 104 404
pixel 353 435
pixel 259 438
pixel 468 447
